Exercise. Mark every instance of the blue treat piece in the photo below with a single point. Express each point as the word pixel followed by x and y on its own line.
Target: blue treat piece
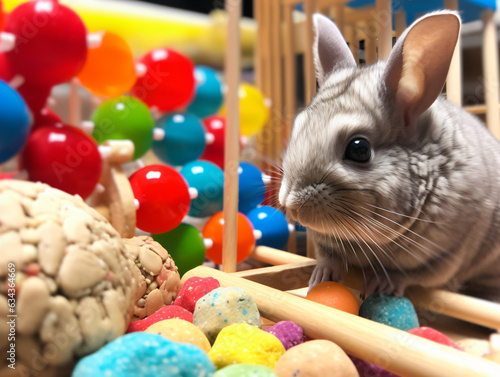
pixel 393 311
pixel 209 97
pixel 273 225
pixel 252 189
pixel 14 122
pixel 141 354
pixel 208 179
pixel 184 139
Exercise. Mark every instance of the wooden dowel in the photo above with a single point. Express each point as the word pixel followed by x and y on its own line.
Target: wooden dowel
pixel 309 72
pixel 481 312
pixel 75 106
pixel 338 15
pixel 370 46
pixel 400 22
pixel 384 19
pixel 231 147
pixel 259 66
pixel 351 38
pixel 276 257
pixel 389 348
pixel 490 72
pixel 290 87
pixel 277 120
pixel 454 78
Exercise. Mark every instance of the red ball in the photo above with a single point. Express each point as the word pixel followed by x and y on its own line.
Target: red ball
pixel 165 312
pixel 5 71
pixel 45 117
pixel 51 42
pixel 168 83
pixel 64 157
pixel 35 96
pixel 163 197
pixel 214 151
pixel 213 230
pixel 193 289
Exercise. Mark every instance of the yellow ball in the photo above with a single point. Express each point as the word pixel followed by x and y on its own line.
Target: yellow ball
pixel 253 110
pixel 181 331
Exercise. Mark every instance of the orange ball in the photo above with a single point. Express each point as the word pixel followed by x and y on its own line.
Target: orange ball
pixel 109 69
pixel 213 230
pixel 334 295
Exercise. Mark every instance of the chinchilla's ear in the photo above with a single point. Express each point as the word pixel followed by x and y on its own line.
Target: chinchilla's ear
pixel 330 49
pixel 419 62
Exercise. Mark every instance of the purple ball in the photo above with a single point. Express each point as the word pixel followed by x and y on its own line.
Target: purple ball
pixel 288 332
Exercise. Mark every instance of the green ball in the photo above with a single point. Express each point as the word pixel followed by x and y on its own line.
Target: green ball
pixel 124 118
pixel 185 246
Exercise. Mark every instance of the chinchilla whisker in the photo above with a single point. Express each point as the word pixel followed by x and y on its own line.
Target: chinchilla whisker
pixel 357 229
pixel 400 214
pixel 402 247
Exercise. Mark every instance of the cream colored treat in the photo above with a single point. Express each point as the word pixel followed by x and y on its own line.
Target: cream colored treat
pixel 223 307
pixel 315 358
pixel 73 276
pixel 178 330
pixel 156 274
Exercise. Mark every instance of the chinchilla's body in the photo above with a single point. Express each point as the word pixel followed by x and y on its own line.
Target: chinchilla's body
pixel 389 176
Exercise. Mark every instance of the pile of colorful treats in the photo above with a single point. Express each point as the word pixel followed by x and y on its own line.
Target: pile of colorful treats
pixel 217 331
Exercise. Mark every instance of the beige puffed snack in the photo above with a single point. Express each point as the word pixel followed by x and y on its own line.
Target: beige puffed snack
pixel 72 274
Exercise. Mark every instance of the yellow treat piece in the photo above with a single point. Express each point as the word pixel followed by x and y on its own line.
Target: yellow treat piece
pixel 245 344
pixel 181 331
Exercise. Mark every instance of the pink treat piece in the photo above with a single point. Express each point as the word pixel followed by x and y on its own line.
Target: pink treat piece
pixel 193 289
pixel 434 335
pixel 165 312
pixel 289 333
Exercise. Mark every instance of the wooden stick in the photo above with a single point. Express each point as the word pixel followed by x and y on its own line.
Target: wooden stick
pixel 259 67
pixel 400 22
pixel 337 13
pixel 481 312
pixel 370 46
pixel 389 348
pixel 490 72
pixel 290 87
pixel 454 78
pixel 276 257
pixel 231 147
pixel 384 19
pixel 277 82
pixel 352 39
pixel 75 106
pixel 309 72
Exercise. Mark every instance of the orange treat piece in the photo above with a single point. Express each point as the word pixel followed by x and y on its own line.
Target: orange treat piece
pixel 335 295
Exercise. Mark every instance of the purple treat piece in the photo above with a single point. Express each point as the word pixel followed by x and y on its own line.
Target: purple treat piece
pixel 288 332
pixel 366 369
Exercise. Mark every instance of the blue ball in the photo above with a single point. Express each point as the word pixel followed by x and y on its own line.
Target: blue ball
pixel 208 97
pixel 15 122
pixel 252 189
pixel 272 224
pixel 141 353
pixel 393 311
pixel 184 139
pixel 208 179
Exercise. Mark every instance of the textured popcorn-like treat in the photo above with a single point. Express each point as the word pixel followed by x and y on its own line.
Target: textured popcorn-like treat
pixel 193 289
pixel 73 276
pixel 156 274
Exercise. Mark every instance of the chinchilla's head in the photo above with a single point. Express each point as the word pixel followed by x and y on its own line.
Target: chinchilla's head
pixel 347 169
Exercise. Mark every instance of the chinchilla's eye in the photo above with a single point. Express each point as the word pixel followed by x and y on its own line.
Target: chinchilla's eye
pixel 358 150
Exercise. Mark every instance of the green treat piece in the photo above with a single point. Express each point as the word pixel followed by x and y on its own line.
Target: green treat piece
pixel 124 118
pixel 393 311
pixel 245 370
pixel 185 246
